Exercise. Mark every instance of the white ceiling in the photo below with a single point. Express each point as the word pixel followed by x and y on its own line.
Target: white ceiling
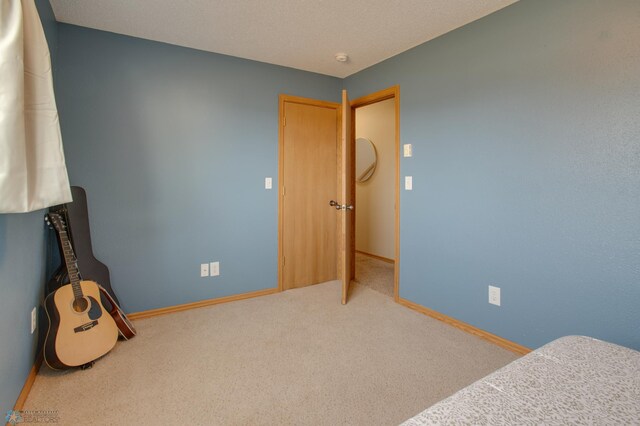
pixel 302 34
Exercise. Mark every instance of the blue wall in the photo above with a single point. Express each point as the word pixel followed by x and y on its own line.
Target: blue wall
pixel 172 146
pixel 22 274
pixel 526 170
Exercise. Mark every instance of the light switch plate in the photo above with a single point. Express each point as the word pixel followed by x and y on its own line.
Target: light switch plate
pixel 408 150
pixel 408 183
pixel 268 183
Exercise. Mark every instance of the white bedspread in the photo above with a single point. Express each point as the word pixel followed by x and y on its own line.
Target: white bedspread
pixel 572 380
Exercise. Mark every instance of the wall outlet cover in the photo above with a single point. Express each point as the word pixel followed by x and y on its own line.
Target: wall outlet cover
pixel 494 295
pixel 204 269
pixel 34 319
pixel 214 268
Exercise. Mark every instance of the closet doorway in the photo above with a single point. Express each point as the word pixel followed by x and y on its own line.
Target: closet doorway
pixel 376 186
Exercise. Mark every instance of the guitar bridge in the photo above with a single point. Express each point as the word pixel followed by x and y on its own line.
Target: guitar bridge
pixel 86 326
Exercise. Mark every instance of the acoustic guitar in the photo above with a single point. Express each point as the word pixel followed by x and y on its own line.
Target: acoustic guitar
pixel 80 330
pixel 76 219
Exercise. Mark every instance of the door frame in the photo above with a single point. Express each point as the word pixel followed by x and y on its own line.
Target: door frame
pixel 282 99
pixel 392 92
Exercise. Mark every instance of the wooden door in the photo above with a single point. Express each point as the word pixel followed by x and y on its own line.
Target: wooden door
pixel 308 176
pixel 346 213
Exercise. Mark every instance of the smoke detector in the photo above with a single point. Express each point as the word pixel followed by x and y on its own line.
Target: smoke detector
pixel 342 57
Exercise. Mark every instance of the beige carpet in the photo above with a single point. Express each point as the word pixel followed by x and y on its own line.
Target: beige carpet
pixel 375 274
pixel 296 358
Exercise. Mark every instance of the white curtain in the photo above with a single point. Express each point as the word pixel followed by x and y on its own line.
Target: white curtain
pixel 33 174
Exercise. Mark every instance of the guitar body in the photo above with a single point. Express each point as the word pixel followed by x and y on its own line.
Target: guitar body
pixel 125 327
pixel 80 330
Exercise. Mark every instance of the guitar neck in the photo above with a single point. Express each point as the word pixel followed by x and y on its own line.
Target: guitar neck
pixel 72 263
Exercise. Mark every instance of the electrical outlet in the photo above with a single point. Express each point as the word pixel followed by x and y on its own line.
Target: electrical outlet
pixel 214 268
pixel 408 150
pixel 34 319
pixel 494 295
pixel 268 183
pixel 204 269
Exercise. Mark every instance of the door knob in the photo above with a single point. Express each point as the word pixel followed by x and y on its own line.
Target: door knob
pixel 339 206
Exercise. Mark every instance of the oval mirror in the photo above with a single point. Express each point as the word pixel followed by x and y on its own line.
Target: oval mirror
pixel 366 159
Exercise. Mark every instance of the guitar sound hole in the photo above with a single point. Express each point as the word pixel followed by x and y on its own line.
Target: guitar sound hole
pixel 80 305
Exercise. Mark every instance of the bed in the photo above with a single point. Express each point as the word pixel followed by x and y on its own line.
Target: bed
pixel 572 380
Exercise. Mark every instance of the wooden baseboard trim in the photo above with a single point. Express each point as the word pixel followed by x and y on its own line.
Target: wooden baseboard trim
pixel 497 340
pixel 24 393
pixel 375 256
pixel 209 302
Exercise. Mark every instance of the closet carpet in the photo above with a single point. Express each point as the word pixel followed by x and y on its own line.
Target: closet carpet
pixel 375 274
pixel 292 358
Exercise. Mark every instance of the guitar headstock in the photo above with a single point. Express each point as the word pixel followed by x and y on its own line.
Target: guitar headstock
pixel 55 220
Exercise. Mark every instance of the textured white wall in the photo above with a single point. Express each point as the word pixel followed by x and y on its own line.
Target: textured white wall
pixel 375 210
